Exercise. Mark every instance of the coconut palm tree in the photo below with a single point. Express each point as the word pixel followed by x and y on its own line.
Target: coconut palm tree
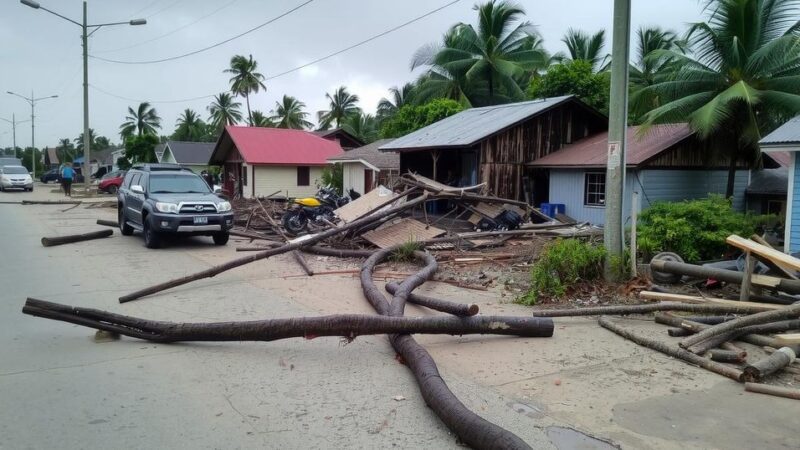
pixel 259 119
pixel 582 46
pixel 144 120
pixel 79 142
pixel 399 97
pixel 189 127
pixel 245 79
pixel 363 126
pixel 486 63
pixel 741 77
pixel 289 113
pixel 65 149
pixel 647 70
pixel 342 105
pixel 224 111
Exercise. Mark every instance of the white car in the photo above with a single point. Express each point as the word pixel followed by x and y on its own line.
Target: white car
pixel 15 177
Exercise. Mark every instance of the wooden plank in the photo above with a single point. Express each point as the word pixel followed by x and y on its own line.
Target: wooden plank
pixel 400 232
pixel 749 266
pixel 786 271
pixel 693 299
pixel 364 204
pixel 762 250
pixel 788 339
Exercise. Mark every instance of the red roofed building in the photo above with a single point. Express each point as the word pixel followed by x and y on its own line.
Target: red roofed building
pixel 260 161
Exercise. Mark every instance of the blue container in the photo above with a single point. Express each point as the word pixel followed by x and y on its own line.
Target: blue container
pixel 551 209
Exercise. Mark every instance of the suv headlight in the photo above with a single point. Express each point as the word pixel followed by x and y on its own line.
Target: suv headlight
pixel 167 207
pixel 223 206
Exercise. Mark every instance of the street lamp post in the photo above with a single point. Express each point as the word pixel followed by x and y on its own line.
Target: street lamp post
pixel 14 123
pixel 32 101
pixel 85 43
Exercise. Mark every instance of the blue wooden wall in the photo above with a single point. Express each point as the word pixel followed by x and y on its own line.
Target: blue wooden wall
pixel 794 221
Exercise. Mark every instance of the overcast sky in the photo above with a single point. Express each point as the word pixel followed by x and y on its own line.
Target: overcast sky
pixel 42 52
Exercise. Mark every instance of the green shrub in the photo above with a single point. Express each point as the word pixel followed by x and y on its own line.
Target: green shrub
pixel 694 229
pixel 562 263
pixel 333 175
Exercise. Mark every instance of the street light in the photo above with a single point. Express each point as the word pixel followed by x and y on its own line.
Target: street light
pixel 84 41
pixel 32 101
pixel 14 123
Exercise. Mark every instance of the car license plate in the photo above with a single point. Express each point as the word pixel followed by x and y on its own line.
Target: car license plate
pixel 200 220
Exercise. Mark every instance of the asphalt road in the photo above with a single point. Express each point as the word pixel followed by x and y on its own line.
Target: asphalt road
pixel 60 389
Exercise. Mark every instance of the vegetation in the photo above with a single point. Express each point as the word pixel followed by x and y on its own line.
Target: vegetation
pixel 694 229
pixel 561 264
pixel 141 149
pixel 333 175
pixel 363 126
pixel 399 97
pixel 742 76
pixel 649 68
pixel 224 111
pixel 290 113
pixel 190 128
pixel 65 150
pixel 245 80
pixel 258 119
pixel 573 77
pixel 144 120
pixel 343 104
pixel 410 118
pixel 583 47
pixel 405 252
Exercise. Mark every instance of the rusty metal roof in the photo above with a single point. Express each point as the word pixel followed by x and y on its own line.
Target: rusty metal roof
pixel 785 135
pixel 472 125
pixel 593 150
pixel 370 154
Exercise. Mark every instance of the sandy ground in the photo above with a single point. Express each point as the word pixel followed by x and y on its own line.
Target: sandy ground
pixel 60 389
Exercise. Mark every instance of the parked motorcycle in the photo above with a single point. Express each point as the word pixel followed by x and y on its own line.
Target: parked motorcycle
pixel 317 210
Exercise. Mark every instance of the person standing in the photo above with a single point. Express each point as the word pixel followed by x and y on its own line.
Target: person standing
pixel 67 173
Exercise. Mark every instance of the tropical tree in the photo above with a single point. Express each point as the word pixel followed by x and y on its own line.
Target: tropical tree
pixel 245 79
pixel 259 119
pixel 585 47
pixel 400 96
pixel 143 120
pixel 647 69
pixel 189 127
pixel 363 126
pixel 141 148
pixel 741 78
pixel 65 149
pixel 486 63
pixel 413 117
pixel 576 78
pixel 342 105
pixel 224 111
pixel 79 141
pixel 101 143
pixel 290 113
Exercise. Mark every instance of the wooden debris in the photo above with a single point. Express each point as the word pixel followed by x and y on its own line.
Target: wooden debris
pixel 694 299
pixel 764 251
pixel 60 240
pixel 769 365
pixel 788 339
pixel 400 232
pixel 445 306
pixel 646 309
pixel 302 262
pixel 726 356
pixel 788 312
pixel 772 390
pixel 108 223
pixel 376 198
pixel 728 276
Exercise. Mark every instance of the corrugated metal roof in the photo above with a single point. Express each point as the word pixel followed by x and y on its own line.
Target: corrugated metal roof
pixel 370 154
pixel 786 134
pixel 276 146
pixel 197 153
pixel 593 150
pixel 473 125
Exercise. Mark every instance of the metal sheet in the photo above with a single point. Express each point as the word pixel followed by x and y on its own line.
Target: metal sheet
pixel 786 134
pixel 364 204
pixel 401 231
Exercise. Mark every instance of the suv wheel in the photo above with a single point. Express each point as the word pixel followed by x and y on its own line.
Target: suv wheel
pixel 112 189
pixel 221 238
pixel 151 237
pixel 124 228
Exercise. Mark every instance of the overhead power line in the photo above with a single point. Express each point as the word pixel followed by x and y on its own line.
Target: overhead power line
pixel 295 69
pixel 172 58
pixel 182 100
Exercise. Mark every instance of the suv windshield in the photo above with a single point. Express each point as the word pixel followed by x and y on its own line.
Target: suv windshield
pixel 177 184
pixel 15 170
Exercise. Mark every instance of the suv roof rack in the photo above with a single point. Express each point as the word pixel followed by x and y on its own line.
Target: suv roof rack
pixel 154 167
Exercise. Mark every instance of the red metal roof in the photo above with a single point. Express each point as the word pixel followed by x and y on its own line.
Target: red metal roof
pixel 281 146
pixel 784 159
pixel 593 150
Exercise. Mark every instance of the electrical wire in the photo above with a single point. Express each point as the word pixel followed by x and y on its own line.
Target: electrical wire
pixel 171 32
pixel 172 58
pixel 173 4
pixel 182 100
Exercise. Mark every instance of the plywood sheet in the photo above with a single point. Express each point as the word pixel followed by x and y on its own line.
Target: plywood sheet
pixel 364 204
pixel 400 232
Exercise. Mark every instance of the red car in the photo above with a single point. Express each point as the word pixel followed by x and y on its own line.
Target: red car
pixel 111 182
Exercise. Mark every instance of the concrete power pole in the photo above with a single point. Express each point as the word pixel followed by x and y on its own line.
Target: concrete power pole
pixel 617 127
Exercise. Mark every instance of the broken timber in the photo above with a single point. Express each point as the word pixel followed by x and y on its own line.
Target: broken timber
pixel 445 306
pixel 60 240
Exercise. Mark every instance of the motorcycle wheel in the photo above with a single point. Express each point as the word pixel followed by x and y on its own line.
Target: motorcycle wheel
pixel 294 222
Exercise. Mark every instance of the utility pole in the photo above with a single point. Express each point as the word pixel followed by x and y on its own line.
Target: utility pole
pixel 14 123
pixel 85 26
pixel 613 232
pixel 32 101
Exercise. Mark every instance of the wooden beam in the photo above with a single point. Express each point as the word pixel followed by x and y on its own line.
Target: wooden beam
pixel 785 271
pixel 788 339
pixel 717 301
pixel 749 267
pixel 769 253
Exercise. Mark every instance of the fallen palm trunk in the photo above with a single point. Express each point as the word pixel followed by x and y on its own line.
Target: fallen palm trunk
pixel 750 334
pixel 789 312
pixel 339 253
pixel 345 325
pixel 108 223
pixel 728 276
pixel 471 429
pixel 247 234
pixel 445 306
pixel 679 332
pixel 769 365
pixel 60 240
pixel 302 262
pixel 726 356
pixel 772 390
pixel 51 202
pixel 648 308
pixel 297 244
pixel 675 352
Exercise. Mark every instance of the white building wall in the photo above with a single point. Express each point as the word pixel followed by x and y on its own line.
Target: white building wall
pixel 269 179
pixel 353 177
